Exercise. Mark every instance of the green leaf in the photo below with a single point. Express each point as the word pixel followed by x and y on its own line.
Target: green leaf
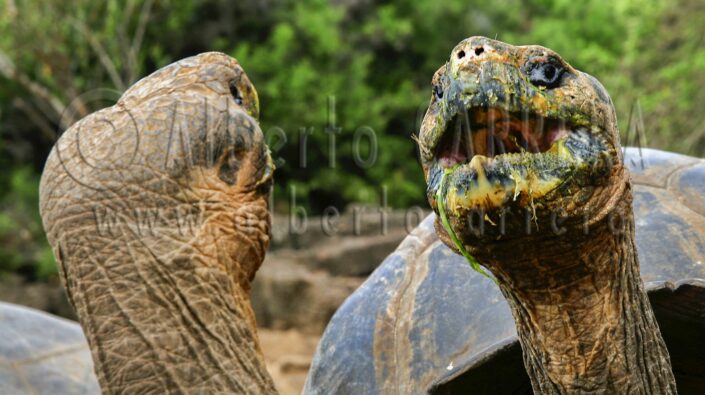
pixel 474 264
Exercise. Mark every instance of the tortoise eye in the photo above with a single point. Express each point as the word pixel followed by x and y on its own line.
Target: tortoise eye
pixel 438 91
pixel 236 93
pixel 547 73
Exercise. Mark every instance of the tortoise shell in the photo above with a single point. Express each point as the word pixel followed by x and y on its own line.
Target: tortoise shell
pixel 43 354
pixel 425 322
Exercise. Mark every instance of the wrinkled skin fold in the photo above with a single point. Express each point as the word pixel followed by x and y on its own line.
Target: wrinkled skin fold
pixel 537 193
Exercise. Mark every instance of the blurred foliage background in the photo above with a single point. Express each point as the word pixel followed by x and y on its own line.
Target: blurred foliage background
pixel 370 61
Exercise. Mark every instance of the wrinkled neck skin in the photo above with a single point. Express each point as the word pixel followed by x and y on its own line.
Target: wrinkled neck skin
pixel 583 318
pixel 168 314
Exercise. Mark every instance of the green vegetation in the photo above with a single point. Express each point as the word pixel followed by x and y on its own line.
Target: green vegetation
pixel 474 264
pixel 369 61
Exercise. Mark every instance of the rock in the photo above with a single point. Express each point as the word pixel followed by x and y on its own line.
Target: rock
pixel 286 294
pixel 291 231
pixel 355 256
pixel 46 296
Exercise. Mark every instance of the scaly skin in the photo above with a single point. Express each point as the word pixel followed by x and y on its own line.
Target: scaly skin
pixel 157 212
pixel 557 229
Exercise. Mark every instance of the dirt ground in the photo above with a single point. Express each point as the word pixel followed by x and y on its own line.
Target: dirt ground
pixel 288 356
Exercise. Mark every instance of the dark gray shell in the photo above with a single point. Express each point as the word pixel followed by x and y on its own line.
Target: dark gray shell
pixel 425 322
pixel 43 354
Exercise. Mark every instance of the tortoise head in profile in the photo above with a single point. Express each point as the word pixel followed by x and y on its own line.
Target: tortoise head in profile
pixel 157 212
pixel 521 154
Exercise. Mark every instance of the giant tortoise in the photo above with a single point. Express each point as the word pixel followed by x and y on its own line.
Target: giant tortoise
pixel 533 187
pixel 522 159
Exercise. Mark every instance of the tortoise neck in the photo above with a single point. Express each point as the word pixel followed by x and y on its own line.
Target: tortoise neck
pixel 582 315
pixel 175 318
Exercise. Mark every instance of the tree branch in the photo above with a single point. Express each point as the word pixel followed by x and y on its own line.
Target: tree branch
pixel 102 54
pixel 34 116
pixel 137 40
pixel 9 71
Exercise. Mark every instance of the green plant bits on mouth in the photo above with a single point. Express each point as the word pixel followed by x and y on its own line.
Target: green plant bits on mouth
pixel 474 264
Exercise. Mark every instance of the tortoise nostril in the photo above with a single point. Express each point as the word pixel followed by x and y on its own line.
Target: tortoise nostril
pixel 479 50
pixel 461 54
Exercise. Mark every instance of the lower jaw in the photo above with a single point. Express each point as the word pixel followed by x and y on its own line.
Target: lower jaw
pixel 521 179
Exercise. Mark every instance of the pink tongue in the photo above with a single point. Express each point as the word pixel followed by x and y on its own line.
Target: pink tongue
pixel 450 157
pixel 556 134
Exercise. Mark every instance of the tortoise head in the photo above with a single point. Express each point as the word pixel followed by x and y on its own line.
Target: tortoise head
pixel 519 138
pixel 157 209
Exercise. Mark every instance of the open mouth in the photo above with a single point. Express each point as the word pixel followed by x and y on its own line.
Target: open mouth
pixel 491 158
pixel 490 132
pixel 511 134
